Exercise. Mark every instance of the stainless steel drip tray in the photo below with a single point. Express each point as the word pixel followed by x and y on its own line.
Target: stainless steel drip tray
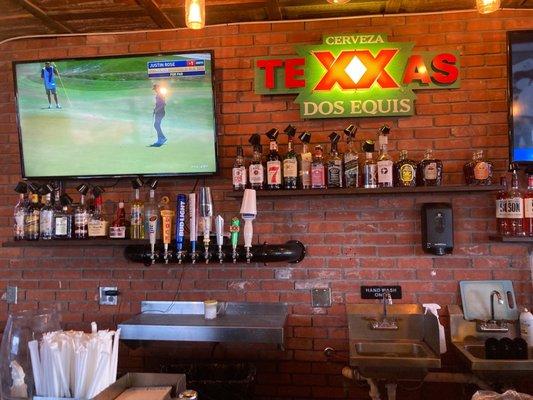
pixel 184 321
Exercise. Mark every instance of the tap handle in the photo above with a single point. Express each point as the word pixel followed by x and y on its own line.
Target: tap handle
pixel 181 205
pixel 219 226
pixel 235 227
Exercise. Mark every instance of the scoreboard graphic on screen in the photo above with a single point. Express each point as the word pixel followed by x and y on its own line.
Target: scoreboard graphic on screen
pixel 169 69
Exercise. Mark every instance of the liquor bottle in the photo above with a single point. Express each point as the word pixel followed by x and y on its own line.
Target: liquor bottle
pixel 152 208
pixel 515 206
pixel 137 216
pixel 81 215
pixel 404 171
pixel 370 168
pixel 528 207
pixel 98 224
pixel 385 163
pixel 273 165
pixel 118 227
pixel 468 168
pixel 290 162
pixel 482 170
pixel 429 171
pixel 318 173
pixel 351 159
pixel 32 222
pixel 63 222
pixel 238 173
pixel 256 169
pixel 20 212
pixel 46 218
pixel 501 208
pixel 335 170
pixel 305 158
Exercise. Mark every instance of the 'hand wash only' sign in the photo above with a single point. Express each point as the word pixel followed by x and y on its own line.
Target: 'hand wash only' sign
pixel 356 75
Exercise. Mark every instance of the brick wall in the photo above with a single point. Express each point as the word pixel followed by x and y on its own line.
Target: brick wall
pixel 367 239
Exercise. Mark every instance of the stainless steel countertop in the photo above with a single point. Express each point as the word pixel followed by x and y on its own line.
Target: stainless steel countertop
pixel 184 321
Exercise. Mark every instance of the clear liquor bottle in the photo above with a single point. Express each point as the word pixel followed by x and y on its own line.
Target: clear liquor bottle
pixel 528 207
pixel 238 173
pixel 318 173
pixel 273 165
pixel 502 223
pixel 137 216
pixel 404 171
pixel 290 167
pixel 305 158
pixel 370 168
pixel 335 167
pixel 32 222
pixel 20 217
pixel 256 169
pixel 351 159
pixel 81 220
pixel 46 219
pixel 429 171
pixel 385 163
pixel 515 206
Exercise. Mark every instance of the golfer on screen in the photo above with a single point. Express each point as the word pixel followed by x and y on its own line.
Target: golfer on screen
pixel 48 74
pixel 159 114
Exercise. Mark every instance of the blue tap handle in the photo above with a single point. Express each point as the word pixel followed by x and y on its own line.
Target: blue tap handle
pixel 181 206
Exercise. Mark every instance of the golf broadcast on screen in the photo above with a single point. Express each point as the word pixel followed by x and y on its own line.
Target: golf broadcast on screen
pixel 134 115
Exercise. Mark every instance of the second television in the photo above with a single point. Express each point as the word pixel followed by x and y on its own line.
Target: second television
pixel 117 116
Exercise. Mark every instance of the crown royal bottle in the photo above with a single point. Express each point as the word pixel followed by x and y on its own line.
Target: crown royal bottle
pixel 404 171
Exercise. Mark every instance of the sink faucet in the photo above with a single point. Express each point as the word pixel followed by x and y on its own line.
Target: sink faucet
pixel 385 323
pixel 493 325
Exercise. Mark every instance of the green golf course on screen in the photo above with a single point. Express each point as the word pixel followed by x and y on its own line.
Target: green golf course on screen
pixel 135 115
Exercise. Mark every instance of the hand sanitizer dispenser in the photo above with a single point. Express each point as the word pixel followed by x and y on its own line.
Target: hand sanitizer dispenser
pixel 437 228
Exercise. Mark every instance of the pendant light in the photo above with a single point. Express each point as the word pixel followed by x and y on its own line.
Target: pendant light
pixel 338 1
pixel 195 14
pixel 487 6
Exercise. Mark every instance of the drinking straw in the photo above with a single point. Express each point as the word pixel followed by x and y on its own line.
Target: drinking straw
pixel 33 346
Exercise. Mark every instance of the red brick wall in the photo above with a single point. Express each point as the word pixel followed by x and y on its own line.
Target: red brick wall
pixel 351 241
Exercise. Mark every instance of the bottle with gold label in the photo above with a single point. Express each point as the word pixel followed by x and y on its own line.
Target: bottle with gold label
pixel 32 219
pixel 404 171
pixel 429 171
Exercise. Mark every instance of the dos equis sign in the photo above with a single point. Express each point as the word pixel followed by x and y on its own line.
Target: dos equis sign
pixel 356 76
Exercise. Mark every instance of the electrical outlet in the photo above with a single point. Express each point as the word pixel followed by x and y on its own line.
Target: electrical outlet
pixel 108 300
pixel 11 294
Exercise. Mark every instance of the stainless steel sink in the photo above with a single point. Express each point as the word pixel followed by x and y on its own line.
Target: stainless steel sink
pixel 407 352
pixel 470 345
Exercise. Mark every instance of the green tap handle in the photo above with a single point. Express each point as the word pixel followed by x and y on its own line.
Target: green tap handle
pixel 235 227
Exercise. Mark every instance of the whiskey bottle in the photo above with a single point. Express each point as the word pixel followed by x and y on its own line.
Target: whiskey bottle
pixel 256 169
pixel 370 168
pixel 351 159
pixel 482 170
pixel 335 170
pixel 305 159
pixel 46 218
pixel 118 227
pixel 515 206
pixel 290 162
pixel 81 215
pixel 318 173
pixel 273 165
pixel 98 224
pixel 20 212
pixel 137 216
pixel 384 164
pixel 238 173
pixel 468 168
pixel 528 207
pixel 429 171
pixel 32 222
pixel 404 171
pixel 502 223
pixel 62 222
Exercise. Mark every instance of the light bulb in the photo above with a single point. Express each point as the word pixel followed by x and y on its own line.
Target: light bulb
pixel 338 1
pixel 487 6
pixel 195 14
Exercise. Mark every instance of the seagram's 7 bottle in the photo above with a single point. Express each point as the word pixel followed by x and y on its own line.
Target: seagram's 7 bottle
pixel 274 175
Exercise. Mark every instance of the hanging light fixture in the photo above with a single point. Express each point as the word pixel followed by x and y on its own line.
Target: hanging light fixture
pixel 487 6
pixel 338 1
pixel 195 14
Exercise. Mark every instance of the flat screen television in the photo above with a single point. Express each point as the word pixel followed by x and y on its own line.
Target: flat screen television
pixel 148 115
pixel 520 72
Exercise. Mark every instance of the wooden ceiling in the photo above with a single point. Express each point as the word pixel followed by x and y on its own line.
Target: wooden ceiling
pixel 35 17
